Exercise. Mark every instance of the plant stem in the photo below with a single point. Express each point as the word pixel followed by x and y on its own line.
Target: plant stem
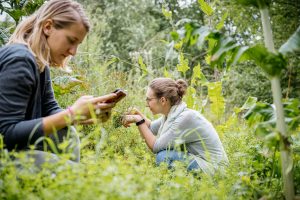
pixel 285 151
pixel 267 30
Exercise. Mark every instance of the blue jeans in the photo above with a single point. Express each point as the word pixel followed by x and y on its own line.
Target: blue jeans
pixel 169 156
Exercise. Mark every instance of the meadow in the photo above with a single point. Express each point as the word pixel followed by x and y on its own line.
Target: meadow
pixel 233 82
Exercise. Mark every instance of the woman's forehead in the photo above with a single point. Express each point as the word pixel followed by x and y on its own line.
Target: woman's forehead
pixel 150 92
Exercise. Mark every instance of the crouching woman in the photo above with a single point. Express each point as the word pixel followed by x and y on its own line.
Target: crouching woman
pixel 181 134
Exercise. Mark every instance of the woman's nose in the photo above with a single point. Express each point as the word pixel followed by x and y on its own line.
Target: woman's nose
pixel 73 50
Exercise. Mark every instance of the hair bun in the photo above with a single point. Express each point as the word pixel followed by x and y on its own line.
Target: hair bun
pixel 182 86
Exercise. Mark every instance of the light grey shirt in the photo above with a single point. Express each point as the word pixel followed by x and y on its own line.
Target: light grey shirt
pixel 184 126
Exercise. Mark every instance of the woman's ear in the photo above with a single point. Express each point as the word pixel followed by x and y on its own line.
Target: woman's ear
pixel 48 27
pixel 163 100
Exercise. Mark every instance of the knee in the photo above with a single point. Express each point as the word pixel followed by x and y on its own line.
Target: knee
pixel 193 165
pixel 161 157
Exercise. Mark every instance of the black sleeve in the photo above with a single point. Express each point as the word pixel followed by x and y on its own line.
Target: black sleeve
pixel 18 82
pixel 49 103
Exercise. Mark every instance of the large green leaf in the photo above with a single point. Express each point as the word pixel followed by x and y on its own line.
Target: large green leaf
pixel 223 47
pixel 189 38
pixel 202 33
pixel 64 84
pixel 271 63
pixel 224 51
pixel 292 45
pixel 263 116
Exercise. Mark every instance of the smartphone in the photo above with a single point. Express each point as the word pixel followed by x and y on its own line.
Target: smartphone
pixel 120 95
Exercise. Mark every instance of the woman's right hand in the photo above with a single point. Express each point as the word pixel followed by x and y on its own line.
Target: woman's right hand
pixel 86 105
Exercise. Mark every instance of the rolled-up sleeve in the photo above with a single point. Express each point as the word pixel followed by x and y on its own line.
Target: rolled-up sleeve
pixel 17 83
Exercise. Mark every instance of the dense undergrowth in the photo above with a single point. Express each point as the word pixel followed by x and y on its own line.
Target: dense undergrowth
pixel 116 164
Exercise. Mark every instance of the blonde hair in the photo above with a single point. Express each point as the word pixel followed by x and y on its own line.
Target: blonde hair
pixel 63 13
pixel 170 89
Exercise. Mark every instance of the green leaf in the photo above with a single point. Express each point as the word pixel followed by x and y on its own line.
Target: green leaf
pixel 167 13
pixel 142 65
pixel 174 35
pixel 292 45
pixel 171 53
pixel 202 33
pixel 263 116
pixel 64 84
pixel 190 97
pixel 166 73
pixel 271 63
pixel 292 113
pixel 16 14
pixel 183 65
pixel 264 110
pixel 250 102
pixel 272 139
pixel 237 54
pixel 220 25
pixel 217 101
pixel 205 7
pixel 189 38
pixel 223 46
pixel 109 62
pixel 197 74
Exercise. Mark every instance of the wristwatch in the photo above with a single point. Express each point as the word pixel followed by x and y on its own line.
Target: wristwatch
pixel 140 122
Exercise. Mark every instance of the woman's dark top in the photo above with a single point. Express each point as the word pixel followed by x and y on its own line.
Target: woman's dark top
pixel 26 95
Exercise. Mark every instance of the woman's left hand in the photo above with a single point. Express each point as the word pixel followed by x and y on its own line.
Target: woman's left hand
pixel 129 119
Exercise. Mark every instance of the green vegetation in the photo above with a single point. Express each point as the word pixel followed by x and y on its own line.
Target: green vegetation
pixel 218 47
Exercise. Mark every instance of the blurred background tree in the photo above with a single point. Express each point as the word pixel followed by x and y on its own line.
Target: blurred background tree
pixel 12 12
pixel 130 29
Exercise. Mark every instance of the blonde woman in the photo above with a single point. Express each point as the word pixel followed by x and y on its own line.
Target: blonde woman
pixel 28 109
pixel 181 133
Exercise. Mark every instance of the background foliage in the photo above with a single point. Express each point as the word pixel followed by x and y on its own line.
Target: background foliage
pixel 131 43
